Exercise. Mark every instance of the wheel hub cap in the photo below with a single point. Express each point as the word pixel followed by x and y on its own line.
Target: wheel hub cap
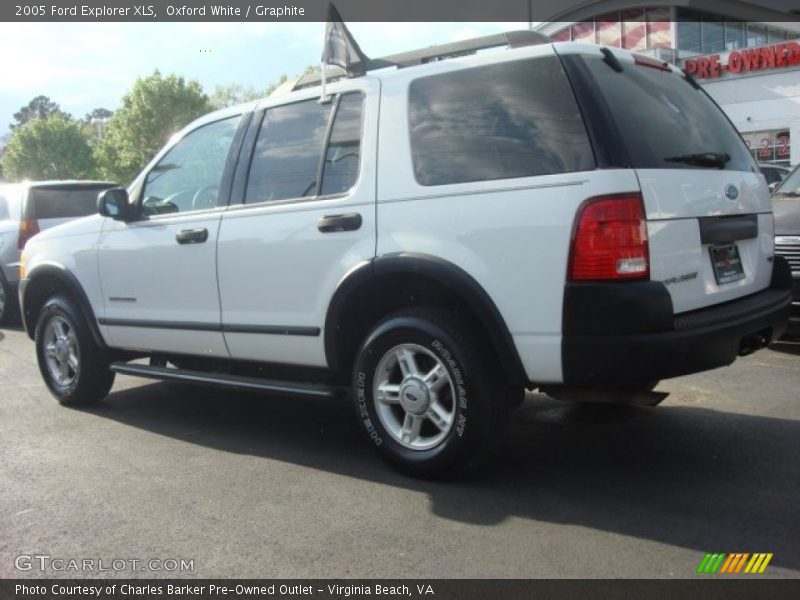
pixel 414 396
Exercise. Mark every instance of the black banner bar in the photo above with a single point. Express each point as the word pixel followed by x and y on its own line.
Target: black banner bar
pixel 708 587
pixel 522 11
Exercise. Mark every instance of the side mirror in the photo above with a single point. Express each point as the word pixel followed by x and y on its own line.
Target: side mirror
pixel 773 186
pixel 114 203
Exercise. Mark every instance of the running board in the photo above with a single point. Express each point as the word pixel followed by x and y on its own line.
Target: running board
pixel 283 388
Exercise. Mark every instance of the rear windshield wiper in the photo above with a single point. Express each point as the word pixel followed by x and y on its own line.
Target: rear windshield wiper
pixel 704 159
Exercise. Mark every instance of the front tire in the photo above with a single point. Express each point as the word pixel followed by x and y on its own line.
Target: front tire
pixel 70 361
pixel 428 395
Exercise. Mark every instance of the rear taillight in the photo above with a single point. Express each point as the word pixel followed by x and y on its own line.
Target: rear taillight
pixel 27 229
pixel 610 240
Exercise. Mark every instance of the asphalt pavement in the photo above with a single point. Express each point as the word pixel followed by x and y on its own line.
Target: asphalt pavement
pixel 245 485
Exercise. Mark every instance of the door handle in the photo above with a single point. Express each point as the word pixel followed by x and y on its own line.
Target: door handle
pixel 192 236
pixel 333 223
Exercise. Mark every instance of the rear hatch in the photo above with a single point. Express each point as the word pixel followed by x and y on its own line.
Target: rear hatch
pixel 709 220
pixel 53 204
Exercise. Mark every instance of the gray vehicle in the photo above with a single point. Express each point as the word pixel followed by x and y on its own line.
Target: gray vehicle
pixel 786 207
pixel 28 208
pixel 774 174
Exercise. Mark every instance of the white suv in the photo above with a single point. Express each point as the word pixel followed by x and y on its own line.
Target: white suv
pixel 435 237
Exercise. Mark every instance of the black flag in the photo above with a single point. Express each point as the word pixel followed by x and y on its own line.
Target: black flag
pixel 340 48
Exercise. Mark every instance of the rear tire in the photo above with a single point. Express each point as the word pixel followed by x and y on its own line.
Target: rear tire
pixel 70 361
pixel 430 399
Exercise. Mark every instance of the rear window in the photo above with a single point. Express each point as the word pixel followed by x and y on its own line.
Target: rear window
pixel 52 203
pixel 661 118
pixel 507 120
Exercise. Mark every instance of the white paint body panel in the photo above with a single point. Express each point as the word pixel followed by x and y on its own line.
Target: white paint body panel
pixel 71 246
pixel 147 275
pixel 674 199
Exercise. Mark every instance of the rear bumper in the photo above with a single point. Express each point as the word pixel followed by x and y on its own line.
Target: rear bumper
pixel 626 334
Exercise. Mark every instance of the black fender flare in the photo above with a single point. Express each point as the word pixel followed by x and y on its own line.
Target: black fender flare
pixel 449 275
pixel 70 282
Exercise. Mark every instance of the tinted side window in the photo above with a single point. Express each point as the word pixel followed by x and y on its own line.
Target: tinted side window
pixel 288 152
pixel 515 119
pixel 188 176
pixel 343 153
pixel 65 203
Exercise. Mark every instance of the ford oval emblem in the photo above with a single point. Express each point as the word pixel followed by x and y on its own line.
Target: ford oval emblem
pixel 731 192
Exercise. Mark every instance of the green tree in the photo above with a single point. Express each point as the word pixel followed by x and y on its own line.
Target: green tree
pixel 40 107
pixel 48 148
pixel 99 113
pixel 154 109
pixel 235 93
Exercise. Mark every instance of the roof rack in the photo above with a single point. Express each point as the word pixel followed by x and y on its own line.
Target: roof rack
pixel 509 39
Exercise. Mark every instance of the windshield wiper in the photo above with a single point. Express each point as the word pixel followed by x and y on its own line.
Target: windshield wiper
pixel 704 159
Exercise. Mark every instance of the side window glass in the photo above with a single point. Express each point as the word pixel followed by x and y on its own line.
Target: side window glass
pixel 288 151
pixel 513 119
pixel 344 147
pixel 189 175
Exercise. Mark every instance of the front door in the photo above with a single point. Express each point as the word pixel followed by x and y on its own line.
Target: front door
pixel 159 273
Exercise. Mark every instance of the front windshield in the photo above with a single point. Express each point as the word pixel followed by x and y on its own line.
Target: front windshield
pixel 790 185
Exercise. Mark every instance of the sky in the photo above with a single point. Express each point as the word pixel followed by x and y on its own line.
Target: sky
pixel 83 66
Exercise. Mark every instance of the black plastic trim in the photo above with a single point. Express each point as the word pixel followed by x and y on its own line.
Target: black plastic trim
pixel 605 349
pixel 728 229
pixel 609 148
pixel 197 326
pixel 74 288
pixel 232 161
pixel 274 329
pixel 600 308
pixel 449 275
pixel 226 380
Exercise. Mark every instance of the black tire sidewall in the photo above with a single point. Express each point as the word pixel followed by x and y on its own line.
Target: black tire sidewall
pixel 467 432
pixel 7 312
pixel 93 374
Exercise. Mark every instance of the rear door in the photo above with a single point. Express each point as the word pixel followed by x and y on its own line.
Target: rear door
pixel 306 218
pixel 707 205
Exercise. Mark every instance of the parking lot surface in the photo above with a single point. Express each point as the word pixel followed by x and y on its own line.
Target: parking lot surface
pixel 254 486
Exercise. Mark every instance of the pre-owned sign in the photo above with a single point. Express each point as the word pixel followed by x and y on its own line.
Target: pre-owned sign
pixel 741 61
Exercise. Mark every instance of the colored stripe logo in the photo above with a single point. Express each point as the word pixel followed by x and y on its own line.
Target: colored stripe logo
pixel 737 562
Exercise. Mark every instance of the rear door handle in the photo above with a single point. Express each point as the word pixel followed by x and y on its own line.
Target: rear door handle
pixel 192 236
pixel 333 223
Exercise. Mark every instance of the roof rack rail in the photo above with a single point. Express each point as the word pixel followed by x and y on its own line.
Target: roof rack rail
pixel 509 39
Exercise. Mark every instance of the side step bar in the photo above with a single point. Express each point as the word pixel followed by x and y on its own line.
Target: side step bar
pixel 282 388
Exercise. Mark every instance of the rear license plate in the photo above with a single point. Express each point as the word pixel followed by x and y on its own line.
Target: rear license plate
pixel 727 263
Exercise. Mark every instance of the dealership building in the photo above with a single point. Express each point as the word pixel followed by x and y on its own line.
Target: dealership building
pixel 748 63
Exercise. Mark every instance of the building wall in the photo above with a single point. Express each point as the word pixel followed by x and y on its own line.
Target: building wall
pixel 764 101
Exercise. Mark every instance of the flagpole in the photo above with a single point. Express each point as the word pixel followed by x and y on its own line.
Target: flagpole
pixel 323 96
